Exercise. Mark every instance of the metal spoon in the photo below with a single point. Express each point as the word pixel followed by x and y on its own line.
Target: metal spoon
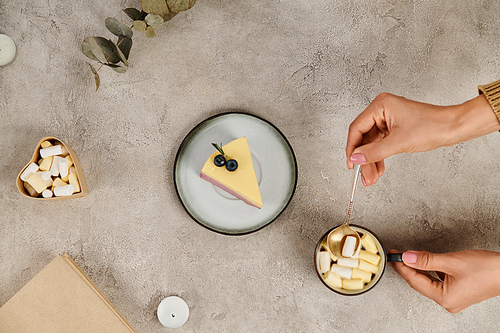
pixel 336 238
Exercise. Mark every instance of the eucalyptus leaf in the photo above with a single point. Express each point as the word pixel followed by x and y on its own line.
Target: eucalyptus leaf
pixel 120 69
pixel 95 48
pixel 154 21
pixel 169 16
pixel 117 68
pixel 180 5
pixel 140 25
pixel 107 47
pixel 133 13
pixel 125 44
pixel 87 50
pixel 150 32
pixel 118 28
pixel 102 50
pixel 117 50
pixel 96 77
pixel 158 7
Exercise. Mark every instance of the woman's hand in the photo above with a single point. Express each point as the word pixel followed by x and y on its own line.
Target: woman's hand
pixel 391 125
pixel 469 276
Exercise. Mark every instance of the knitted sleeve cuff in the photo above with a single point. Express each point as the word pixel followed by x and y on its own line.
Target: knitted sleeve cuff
pixel 492 93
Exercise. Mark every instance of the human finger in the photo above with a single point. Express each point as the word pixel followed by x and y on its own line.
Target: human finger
pixel 377 151
pixel 427 261
pixel 374 134
pixel 419 282
pixel 369 174
pixel 380 168
pixel 371 118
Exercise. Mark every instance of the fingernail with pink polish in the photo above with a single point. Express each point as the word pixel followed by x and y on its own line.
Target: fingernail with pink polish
pixel 363 180
pixel 358 159
pixel 410 257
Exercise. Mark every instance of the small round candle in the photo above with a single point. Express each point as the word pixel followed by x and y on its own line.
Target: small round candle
pixel 173 312
pixel 7 50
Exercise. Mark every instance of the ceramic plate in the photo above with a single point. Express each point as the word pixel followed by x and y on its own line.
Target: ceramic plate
pixel 275 168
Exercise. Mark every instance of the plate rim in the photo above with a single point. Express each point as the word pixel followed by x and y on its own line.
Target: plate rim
pixel 181 146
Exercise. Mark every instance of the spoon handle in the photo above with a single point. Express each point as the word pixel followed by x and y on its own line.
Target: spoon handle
pixel 357 171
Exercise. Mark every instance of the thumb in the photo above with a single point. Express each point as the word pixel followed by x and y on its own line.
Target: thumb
pixel 376 151
pixel 415 261
pixel 427 261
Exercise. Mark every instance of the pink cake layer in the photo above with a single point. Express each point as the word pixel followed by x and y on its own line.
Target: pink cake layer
pixel 219 185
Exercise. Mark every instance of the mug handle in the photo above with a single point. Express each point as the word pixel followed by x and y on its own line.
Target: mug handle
pixel 394 257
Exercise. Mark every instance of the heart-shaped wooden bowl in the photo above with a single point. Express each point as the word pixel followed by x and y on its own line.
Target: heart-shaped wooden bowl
pixel 76 163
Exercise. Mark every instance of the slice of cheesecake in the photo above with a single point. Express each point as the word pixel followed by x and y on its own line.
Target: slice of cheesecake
pixel 242 183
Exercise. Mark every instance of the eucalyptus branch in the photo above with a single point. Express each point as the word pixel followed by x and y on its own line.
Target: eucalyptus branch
pixel 115 55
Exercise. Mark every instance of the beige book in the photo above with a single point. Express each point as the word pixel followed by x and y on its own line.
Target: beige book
pixel 61 298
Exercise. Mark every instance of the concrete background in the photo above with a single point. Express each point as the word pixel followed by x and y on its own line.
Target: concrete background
pixel 309 67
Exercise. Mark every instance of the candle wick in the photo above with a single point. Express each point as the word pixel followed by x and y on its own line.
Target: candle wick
pixel 173 316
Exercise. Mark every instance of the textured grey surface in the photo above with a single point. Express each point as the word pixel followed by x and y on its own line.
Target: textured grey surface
pixel 309 67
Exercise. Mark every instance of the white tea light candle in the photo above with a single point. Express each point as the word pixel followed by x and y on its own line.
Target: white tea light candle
pixel 7 50
pixel 173 312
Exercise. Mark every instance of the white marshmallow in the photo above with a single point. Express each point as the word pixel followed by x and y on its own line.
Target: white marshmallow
pixel 349 247
pixel 63 167
pixel 64 151
pixel 50 151
pixel 32 168
pixel 54 169
pixel 348 262
pixel 46 177
pixel 64 191
pixel 356 255
pixel 47 194
pixel 343 272
pixel 324 261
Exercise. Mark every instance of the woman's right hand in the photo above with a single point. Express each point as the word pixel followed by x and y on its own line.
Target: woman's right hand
pixel 392 124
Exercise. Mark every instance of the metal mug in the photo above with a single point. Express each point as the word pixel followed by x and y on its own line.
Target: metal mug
pixel 385 258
